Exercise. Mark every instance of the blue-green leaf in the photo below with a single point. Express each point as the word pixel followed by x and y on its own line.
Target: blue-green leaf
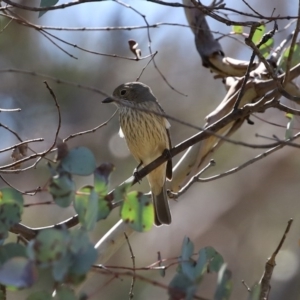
pixel 187 264
pixel 79 161
pixel 62 189
pixel 50 245
pixel 215 259
pixel 46 3
pixel 201 265
pixel 18 272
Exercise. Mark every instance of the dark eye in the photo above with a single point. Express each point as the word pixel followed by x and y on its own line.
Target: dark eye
pixel 123 92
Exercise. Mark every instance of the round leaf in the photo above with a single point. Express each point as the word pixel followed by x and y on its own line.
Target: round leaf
pixel 238 29
pixel 62 189
pixel 18 272
pixel 79 161
pixel 137 211
pixel 11 250
pixel 49 246
pixel 215 259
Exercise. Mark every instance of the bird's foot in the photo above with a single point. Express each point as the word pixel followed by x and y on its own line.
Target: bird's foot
pixel 167 154
pixel 136 175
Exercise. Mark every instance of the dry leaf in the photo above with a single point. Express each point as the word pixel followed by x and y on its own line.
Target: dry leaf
pixel 133 46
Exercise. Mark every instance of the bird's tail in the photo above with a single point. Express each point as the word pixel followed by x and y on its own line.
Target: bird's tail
pixel 161 208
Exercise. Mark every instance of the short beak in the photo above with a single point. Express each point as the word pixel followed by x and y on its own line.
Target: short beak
pixel 107 100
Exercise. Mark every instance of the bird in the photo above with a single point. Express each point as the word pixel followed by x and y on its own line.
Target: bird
pixel 147 137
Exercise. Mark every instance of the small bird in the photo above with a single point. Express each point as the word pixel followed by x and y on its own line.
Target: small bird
pixel 147 137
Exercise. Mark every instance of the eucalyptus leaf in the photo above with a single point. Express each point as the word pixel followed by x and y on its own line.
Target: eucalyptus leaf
pixel 137 211
pixel 18 272
pixel 79 161
pixel 46 3
pixel 224 286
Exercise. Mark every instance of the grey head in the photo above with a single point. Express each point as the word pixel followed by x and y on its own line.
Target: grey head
pixel 134 92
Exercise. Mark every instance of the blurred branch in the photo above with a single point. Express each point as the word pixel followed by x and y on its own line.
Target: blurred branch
pixel 291 52
pixel 8 168
pixel 21 143
pixel 196 178
pixel 131 294
pixel 20 20
pixel 90 130
pixel 270 265
pixel 102 270
pixel 206 9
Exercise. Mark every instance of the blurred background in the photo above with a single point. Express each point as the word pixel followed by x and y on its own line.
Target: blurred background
pixel 242 216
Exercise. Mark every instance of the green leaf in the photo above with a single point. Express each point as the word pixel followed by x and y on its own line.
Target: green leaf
pixel 255 292
pixel 295 59
pixel 120 192
pixel 258 34
pixel 104 208
pixel 224 286
pixel 238 29
pixel 86 206
pixel 101 178
pixel 62 189
pixel 11 250
pixel 215 259
pixel 18 272
pixel 40 295
pixel 266 48
pixel 50 245
pixel 137 211
pixel 11 208
pixel 289 127
pixel 79 161
pixel 65 293
pixel 46 3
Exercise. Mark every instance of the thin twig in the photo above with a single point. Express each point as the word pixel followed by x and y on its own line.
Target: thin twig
pixel 131 294
pixel 270 265
pixel 21 143
pixel 90 130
